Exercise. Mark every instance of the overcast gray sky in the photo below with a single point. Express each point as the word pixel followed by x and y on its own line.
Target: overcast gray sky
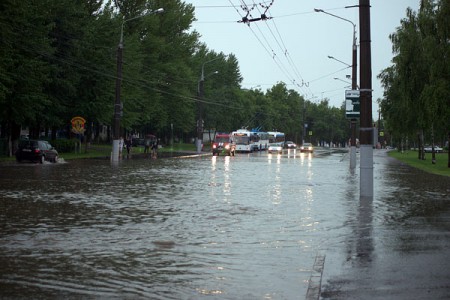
pixel 293 46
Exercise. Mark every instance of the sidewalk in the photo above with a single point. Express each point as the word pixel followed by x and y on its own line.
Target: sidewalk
pixel 398 246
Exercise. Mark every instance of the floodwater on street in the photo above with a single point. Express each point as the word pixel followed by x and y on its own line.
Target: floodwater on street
pixel 242 227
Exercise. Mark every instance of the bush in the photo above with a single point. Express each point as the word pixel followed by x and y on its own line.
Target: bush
pixel 65 145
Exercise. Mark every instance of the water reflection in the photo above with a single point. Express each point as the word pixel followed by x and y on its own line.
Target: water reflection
pixel 306 158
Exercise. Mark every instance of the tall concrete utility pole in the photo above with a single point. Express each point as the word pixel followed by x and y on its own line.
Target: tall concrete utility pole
pixel 354 87
pixel 366 129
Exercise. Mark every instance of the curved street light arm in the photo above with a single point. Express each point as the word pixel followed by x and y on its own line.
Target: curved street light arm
pixel 332 57
pixel 344 19
pixel 156 11
pixel 202 77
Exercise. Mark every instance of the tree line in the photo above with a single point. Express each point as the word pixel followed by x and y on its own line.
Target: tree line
pixel 59 60
pixel 416 103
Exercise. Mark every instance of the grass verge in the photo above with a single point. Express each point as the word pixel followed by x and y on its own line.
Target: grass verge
pixel 411 158
pixel 104 150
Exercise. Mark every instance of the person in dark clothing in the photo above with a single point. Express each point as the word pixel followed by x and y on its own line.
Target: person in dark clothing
pixel 128 145
pixel 147 145
pixel 155 149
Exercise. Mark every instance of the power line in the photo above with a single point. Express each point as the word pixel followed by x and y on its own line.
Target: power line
pixel 294 75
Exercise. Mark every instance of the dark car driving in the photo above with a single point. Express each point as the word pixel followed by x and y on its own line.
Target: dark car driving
pixel 290 145
pixel 36 151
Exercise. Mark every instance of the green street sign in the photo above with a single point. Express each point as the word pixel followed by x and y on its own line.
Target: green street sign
pixel 352 104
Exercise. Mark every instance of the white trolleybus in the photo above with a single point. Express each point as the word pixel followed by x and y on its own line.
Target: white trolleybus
pixel 276 137
pixel 261 140
pixel 249 141
pixel 244 140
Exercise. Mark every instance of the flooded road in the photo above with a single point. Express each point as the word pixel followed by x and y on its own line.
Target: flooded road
pixel 243 227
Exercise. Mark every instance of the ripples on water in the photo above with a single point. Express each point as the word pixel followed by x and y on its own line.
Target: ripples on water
pixel 238 227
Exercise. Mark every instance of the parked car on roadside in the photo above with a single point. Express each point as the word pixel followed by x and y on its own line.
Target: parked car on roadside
pixel 428 149
pixel 36 151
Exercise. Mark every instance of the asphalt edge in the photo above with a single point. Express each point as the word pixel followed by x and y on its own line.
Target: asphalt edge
pixel 315 280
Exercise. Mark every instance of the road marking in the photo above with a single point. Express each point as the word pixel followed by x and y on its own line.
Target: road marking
pixel 315 280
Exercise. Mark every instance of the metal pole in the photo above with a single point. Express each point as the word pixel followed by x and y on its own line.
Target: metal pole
pixel 354 87
pixel 200 113
pixel 200 95
pixel 304 121
pixel 366 129
pixel 117 103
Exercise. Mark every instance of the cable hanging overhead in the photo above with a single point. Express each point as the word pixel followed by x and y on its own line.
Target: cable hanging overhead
pixel 287 66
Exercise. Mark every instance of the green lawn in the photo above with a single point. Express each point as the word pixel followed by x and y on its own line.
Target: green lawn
pixel 411 158
pixel 104 150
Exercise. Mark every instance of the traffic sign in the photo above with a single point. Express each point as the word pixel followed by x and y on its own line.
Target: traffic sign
pixel 352 104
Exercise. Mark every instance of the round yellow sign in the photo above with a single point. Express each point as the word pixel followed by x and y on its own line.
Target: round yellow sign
pixel 78 125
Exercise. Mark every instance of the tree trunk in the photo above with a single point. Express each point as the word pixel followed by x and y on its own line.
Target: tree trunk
pixel 87 136
pixel 419 153
pixel 54 131
pixel 13 137
pixel 448 150
pixel 433 154
pixel 422 146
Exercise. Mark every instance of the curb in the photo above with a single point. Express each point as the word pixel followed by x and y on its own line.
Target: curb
pixel 315 281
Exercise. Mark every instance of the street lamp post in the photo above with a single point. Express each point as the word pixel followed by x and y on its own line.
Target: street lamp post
pixel 354 87
pixel 118 103
pixel 200 94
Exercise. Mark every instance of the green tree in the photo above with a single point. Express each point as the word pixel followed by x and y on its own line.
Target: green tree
pixel 24 48
pixel 417 92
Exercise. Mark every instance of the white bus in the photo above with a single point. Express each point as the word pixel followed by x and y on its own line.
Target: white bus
pixel 276 137
pixel 243 139
pixel 262 141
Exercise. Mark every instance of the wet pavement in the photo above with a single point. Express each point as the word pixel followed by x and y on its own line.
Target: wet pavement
pixel 399 247
pixel 252 226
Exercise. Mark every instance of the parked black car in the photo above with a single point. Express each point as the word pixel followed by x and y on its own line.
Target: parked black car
pixel 36 151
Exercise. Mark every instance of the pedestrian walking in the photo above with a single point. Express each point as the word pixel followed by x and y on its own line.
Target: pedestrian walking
pixel 128 145
pixel 147 145
pixel 120 147
pixel 155 149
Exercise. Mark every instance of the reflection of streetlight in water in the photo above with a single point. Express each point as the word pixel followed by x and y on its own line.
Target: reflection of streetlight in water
pixel 227 177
